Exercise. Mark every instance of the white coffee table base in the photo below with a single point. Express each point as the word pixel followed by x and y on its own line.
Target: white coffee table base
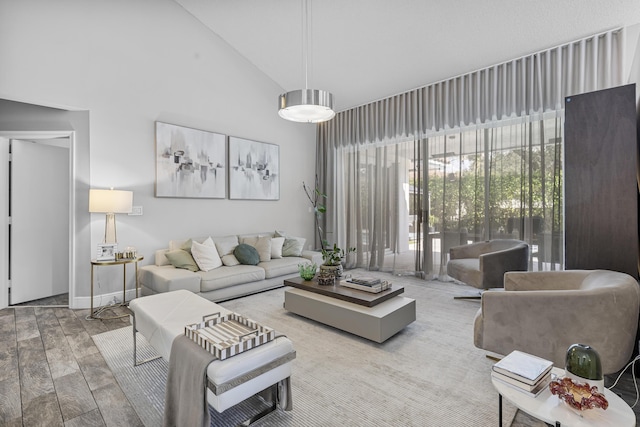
pixel 377 323
pixel 550 409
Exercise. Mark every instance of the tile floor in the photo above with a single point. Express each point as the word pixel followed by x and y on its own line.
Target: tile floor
pixel 52 374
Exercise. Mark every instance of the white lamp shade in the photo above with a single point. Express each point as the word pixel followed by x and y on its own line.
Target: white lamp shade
pixel 110 201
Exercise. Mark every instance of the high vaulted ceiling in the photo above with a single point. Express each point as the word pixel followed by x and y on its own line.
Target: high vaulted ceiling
pixel 364 50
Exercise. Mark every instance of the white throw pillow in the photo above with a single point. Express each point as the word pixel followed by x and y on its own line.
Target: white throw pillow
pixel 206 255
pixel 276 247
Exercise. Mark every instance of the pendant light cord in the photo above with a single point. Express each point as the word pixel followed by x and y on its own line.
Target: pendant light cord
pixel 305 42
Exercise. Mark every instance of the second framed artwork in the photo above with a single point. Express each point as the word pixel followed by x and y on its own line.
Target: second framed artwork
pixel 254 170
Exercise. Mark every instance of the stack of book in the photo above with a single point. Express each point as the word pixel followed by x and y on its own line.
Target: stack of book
pixel 367 284
pixel 525 372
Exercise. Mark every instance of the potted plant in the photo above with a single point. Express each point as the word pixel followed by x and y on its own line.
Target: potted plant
pixel 333 257
pixel 316 197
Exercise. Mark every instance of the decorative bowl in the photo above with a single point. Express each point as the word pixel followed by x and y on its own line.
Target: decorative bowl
pixel 578 396
pixel 307 271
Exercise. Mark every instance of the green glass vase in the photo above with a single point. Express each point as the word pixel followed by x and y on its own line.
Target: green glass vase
pixel 307 271
pixel 583 364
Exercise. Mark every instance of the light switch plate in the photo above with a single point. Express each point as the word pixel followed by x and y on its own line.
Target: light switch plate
pixel 136 210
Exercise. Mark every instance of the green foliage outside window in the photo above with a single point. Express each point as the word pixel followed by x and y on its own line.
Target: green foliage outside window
pixel 519 186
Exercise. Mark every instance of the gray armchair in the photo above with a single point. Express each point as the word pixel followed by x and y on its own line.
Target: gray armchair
pixel 483 264
pixel 544 312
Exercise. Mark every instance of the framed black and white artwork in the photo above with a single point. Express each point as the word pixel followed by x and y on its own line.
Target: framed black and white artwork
pixel 190 163
pixel 254 170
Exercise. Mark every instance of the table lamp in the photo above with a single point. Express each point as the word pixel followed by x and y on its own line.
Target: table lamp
pixel 110 202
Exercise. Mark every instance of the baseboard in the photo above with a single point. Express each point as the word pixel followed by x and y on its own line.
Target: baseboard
pixel 100 300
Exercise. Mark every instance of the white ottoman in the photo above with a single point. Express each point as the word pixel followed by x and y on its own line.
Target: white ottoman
pixel 162 317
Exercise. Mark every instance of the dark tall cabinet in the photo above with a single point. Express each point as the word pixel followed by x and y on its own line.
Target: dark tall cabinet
pixel 601 187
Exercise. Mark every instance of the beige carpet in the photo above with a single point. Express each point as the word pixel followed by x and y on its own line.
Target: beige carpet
pixel 430 374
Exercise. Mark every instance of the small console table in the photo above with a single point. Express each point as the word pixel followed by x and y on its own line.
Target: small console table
pixel 550 409
pixel 123 262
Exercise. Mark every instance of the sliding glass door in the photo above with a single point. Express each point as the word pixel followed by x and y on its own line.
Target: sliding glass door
pixel 407 203
pixel 500 182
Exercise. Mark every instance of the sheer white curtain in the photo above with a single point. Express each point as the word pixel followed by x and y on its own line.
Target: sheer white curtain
pixel 502 181
pixel 373 200
pixel 531 87
pixel 525 86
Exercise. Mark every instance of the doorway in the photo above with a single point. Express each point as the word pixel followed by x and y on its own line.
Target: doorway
pixel 37 216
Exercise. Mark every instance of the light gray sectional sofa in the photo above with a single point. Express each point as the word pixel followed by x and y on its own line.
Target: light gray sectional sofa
pixel 217 274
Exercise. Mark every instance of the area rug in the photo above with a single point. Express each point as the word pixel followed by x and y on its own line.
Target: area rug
pixel 428 374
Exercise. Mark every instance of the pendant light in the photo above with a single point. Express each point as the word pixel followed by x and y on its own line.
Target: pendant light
pixel 306 105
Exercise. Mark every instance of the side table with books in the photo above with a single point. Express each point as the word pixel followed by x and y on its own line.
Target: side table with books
pixel 523 380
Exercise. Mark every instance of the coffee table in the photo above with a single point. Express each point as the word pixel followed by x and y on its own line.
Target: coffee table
pixel 376 317
pixel 548 408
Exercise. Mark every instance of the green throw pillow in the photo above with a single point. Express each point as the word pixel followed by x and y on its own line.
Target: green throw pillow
pixel 246 254
pixel 180 258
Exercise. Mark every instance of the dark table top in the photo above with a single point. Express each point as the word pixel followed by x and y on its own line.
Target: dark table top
pixel 355 296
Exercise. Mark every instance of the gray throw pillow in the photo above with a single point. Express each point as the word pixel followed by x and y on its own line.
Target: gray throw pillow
pixel 180 258
pixel 225 244
pixel 246 254
pixel 293 246
pixel 262 245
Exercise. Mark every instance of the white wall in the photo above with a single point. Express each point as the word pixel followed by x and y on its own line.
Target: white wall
pixel 130 63
pixel 632 70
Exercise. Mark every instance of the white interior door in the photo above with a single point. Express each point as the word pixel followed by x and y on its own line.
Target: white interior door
pixel 4 221
pixel 39 208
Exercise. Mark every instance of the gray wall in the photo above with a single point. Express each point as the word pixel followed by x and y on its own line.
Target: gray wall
pixel 126 65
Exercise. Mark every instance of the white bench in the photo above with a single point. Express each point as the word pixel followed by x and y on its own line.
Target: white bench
pixel 162 317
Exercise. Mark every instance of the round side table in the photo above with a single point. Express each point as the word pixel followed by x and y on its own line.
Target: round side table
pixel 550 409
